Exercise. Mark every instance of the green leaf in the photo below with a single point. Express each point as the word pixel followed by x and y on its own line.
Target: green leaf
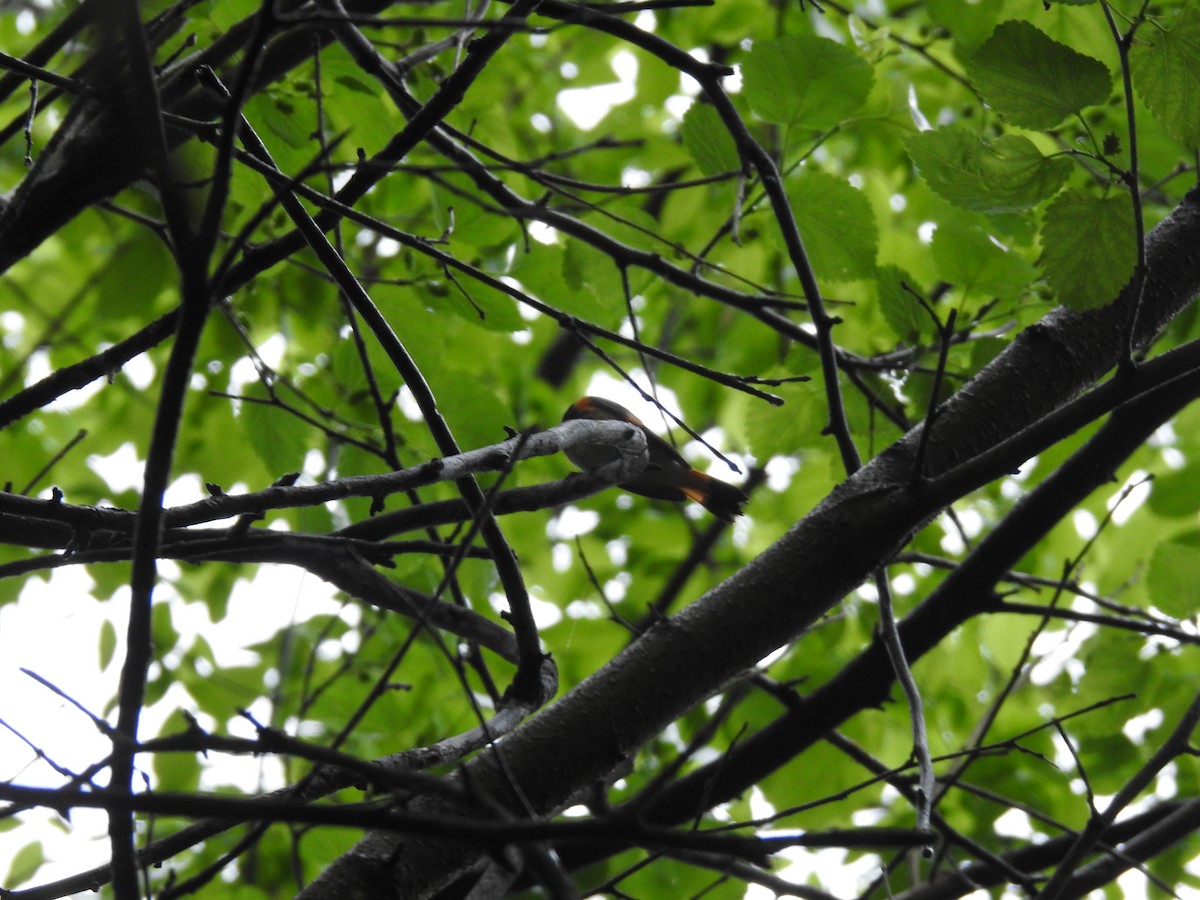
pixel 545 273
pixel 25 863
pixel 1171 577
pixel 280 114
pixel 1166 73
pixel 970 23
pixel 805 80
pixel 780 430
pixel 590 274
pixel 1089 248
pixel 134 275
pixel 973 262
pixel 900 308
pixel 278 437
pixel 986 176
pixel 1034 80
pixel 108 643
pixel 1171 494
pixel 708 140
pixel 476 302
pixel 837 224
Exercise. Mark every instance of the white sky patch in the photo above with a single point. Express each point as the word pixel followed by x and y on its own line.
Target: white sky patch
pixel 37 366
pixel 12 328
pixel 140 371
pixel 586 107
pixel 1137 727
pixel 407 404
pixel 951 542
pixel 571 523
pixel 184 489
pixel 1165 785
pixel 780 472
pixel 632 177
pixel 586 609
pixel 1172 458
pixel 242 373
pixel 561 557
pixel 1085 524
pixel 677 105
pixel 1057 652
pixel 604 385
pixel 271 350
pixel 1124 505
pixel 615 589
pixel 688 86
pixel 542 233
pixel 1014 823
pixel 545 613
pixel 67 655
pixel 733 83
pixel 121 470
pixel 971 522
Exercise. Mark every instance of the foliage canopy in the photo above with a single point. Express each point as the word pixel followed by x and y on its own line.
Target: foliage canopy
pixel 919 276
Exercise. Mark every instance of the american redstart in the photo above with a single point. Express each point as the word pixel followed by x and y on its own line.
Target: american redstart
pixel 667 475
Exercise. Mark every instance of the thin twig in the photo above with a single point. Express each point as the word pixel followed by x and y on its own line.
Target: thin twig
pixel 912 693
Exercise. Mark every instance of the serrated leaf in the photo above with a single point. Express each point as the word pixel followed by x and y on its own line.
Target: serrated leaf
pixel 133 277
pixel 970 23
pixel 544 271
pixel 1088 248
pixel 968 258
pixel 1166 73
pixel 280 115
pixel 780 430
pixel 986 176
pixel 422 330
pixel 899 307
pixel 477 303
pixel 805 80
pixel 837 225
pixel 278 437
pixel 708 141
pixel 1034 80
pixel 1171 576
pixel 587 271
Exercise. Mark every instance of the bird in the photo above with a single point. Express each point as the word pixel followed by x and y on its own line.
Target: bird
pixel 667 475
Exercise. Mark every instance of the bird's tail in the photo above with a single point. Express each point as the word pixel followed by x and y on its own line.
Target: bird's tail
pixel 722 500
